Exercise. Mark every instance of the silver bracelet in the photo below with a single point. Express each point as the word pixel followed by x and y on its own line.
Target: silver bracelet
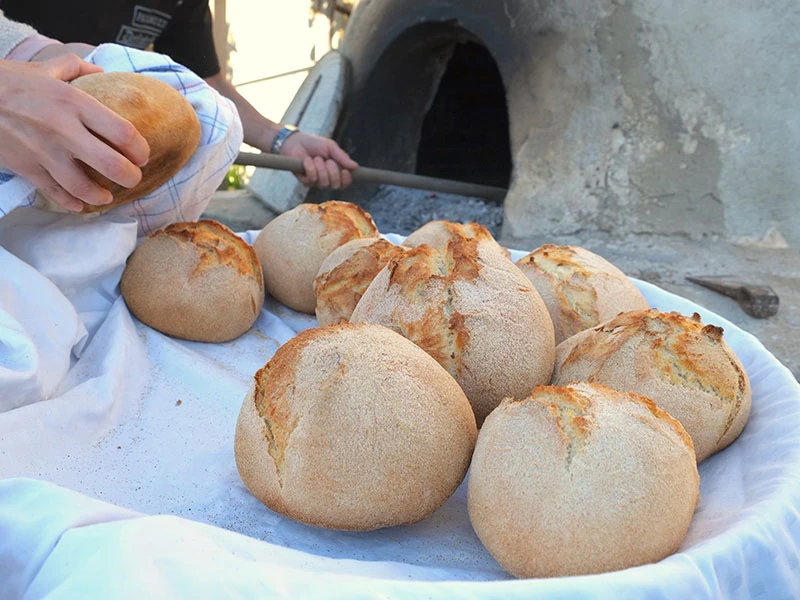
pixel 281 138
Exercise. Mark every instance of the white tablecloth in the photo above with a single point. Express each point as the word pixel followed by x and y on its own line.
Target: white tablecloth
pixel 123 483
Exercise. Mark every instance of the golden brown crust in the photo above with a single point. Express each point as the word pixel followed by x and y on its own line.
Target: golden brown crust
pixel 353 427
pixel 293 246
pixel 437 234
pixel 581 479
pixel 352 220
pixel 216 245
pixel 345 275
pixel 161 114
pixel 196 281
pixel 470 308
pixel 682 364
pixel 580 288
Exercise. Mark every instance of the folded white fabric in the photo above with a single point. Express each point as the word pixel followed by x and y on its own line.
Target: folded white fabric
pixel 60 272
pixel 185 195
pixel 146 422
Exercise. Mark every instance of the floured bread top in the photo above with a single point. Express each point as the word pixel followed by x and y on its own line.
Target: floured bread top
pixel 216 245
pixel 685 352
pixel 426 278
pixel 580 288
pixel 345 217
pixel 573 408
pixel 438 234
pixel 346 273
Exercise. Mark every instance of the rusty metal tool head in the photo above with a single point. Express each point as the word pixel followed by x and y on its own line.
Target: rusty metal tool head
pixel 759 301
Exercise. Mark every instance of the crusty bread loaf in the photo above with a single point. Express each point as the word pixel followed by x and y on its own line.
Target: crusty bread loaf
pixel 292 247
pixel 163 116
pixel 579 288
pixel 581 479
pixel 471 309
pixel 353 427
pixel 196 281
pixel 682 365
pixel 437 234
pixel 346 273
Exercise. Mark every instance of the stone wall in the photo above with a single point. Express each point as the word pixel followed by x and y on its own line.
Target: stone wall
pixel 676 118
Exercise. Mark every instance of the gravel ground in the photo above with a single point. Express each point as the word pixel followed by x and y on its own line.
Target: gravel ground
pixel 402 210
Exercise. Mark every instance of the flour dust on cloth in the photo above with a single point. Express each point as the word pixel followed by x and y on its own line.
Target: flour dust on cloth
pixel 60 272
pixel 124 485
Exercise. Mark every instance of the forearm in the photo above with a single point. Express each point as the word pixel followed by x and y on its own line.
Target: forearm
pixel 258 130
pixel 12 34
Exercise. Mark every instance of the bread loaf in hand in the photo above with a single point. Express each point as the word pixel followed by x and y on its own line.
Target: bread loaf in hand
pixel 163 116
pixel 581 479
pixel 678 362
pixel 196 281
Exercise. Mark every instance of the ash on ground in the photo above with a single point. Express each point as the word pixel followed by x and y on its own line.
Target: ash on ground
pixel 402 210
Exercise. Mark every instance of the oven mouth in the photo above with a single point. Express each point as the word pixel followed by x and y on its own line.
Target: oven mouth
pixel 434 103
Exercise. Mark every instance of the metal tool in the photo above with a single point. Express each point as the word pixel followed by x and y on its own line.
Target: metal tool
pixel 368 175
pixel 759 301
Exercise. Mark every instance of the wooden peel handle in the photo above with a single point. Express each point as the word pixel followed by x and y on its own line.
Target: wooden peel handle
pixel 368 175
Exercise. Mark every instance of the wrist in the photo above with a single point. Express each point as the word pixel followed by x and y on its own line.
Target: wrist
pixel 283 134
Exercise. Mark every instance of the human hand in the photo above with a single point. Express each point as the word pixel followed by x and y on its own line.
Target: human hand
pixel 325 163
pixel 46 126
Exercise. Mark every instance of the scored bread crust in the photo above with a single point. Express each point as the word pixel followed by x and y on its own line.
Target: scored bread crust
pixel 197 281
pixel 579 480
pixel 437 234
pixel 579 288
pixel 353 427
pixel 294 244
pixel 471 309
pixel 161 114
pixel 345 275
pixel 682 365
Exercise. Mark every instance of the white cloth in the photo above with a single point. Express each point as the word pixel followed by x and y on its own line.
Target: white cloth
pixel 186 194
pixel 146 422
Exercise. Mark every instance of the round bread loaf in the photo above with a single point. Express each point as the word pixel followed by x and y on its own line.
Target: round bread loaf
pixel 471 309
pixel 164 117
pixel 579 288
pixel 682 365
pixel 581 479
pixel 196 281
pixel 293 245
pixel 353 427
pixel 437 234
pixel 345 275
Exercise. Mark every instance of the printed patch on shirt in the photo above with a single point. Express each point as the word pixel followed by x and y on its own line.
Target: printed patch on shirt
pixel 135 38
pixel 147 25
pixel 149 18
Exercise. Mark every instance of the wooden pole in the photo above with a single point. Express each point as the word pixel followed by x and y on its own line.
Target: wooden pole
pixel 368 175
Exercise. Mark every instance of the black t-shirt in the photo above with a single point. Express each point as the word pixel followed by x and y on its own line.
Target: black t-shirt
pixel 178 28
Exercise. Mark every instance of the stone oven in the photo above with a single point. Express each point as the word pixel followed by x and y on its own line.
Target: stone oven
pixel 614 116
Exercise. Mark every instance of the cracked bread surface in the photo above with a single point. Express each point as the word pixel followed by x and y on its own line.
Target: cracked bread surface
pixel 580 288
pixel 293 246
pixel 684 366
pixel 345 275
pixel 437 234
pixel 195 281
pixel 471 309
pixel 581 479
pixel 353 427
